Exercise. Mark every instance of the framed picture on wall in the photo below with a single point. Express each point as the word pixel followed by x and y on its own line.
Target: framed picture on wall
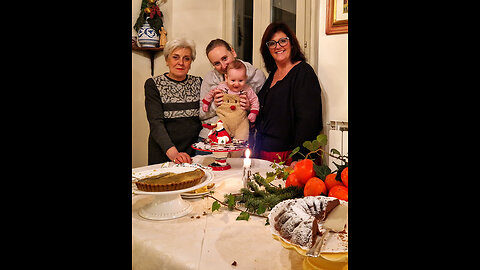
pixel 337 17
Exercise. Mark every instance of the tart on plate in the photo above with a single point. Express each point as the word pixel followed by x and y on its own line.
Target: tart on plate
pixel 170 181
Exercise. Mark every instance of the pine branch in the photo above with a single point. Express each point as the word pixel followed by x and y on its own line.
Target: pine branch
pixel 235 208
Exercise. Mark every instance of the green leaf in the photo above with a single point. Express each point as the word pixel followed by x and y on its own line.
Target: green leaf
pixel 270 179
pixel 322 139
pixel 156 23
pixel 294 151
pixel 270 174
pixel 140 21
pixel 308 145
pixel 339 172
pixel 321 171
pixel 315 145
pixel 231 201
pixel 144 5
pixel 261 209
pixel 243 216
pixel 335 152
pixel 215 206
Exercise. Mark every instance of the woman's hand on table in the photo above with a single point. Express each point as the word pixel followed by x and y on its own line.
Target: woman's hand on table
pixel 178 157
pixel 182 157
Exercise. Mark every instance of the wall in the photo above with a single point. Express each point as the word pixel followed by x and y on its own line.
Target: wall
pixel 198 20
pixel 332 70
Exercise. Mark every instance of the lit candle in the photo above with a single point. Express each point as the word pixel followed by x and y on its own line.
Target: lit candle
pixel 247 162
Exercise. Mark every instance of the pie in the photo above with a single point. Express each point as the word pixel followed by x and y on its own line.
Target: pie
pixel 170 181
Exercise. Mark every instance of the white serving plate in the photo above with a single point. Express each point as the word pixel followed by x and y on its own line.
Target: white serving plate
pixel 333 243
pixel 167 204
pixel 207 179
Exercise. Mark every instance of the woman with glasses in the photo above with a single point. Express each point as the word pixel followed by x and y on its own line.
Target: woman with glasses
pixel 290 100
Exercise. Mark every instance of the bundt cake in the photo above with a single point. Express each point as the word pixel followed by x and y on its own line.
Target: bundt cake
pixel 300 220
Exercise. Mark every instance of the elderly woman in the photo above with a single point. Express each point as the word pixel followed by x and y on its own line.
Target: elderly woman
pixel 172 106
pixel 290 99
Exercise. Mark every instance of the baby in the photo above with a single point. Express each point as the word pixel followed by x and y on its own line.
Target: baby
pixel 233 117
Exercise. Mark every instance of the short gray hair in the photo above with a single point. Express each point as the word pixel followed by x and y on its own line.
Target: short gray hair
pixel 179 43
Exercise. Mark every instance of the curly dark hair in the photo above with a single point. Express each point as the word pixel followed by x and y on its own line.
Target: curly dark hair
pixel 295 55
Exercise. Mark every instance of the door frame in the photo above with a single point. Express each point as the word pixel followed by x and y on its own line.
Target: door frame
pixel 307 22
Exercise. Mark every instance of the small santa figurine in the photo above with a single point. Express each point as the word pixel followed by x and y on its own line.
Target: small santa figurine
pixel 218 134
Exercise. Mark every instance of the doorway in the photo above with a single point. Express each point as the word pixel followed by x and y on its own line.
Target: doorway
pixel 250 18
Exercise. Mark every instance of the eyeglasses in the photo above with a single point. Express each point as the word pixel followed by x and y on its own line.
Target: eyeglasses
pixel 272 43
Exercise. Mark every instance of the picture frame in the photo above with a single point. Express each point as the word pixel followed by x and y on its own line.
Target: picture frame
pixel 337 17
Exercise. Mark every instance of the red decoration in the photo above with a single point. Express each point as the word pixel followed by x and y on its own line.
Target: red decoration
pixel 155 10
pixel 233 107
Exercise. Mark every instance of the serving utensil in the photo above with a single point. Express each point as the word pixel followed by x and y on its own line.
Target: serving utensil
pixel 315 250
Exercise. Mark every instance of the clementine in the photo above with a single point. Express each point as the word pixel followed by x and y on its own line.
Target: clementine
pixel 339 192
pixel 292 180
pixel 314 187
pixel 304 170
pixel 344 176
pixel 330 181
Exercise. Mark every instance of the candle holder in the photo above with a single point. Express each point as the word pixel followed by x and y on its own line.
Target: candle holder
pixel 247 173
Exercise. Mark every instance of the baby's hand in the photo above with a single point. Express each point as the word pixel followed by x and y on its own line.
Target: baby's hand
pixel 244 102
pixel 218 97
pixel 251 117
pixel 205 107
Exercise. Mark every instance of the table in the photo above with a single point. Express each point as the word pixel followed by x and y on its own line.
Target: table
pixel 207 241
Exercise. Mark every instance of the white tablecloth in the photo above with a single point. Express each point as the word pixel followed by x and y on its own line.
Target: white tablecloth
pixel 212 240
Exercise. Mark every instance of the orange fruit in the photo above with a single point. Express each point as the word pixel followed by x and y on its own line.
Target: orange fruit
pixel 292 180
pixel 339 192
pixel 330 181
pixel 344 176
pixel 304 170
pixel 314 187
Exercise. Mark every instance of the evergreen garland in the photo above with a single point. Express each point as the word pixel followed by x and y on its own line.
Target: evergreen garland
pixel 257 200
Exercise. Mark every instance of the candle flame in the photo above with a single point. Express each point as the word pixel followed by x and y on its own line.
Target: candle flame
pixel 247 153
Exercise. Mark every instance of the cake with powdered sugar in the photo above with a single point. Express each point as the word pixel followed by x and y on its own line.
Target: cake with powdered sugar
pixel 300 221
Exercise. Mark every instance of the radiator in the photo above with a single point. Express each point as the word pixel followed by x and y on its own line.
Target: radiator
pixel 337 139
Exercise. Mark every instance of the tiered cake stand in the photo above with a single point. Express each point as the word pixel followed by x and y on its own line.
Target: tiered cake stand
pixel 220 152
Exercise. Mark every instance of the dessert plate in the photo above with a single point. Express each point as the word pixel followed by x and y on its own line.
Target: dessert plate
pixel 188 195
